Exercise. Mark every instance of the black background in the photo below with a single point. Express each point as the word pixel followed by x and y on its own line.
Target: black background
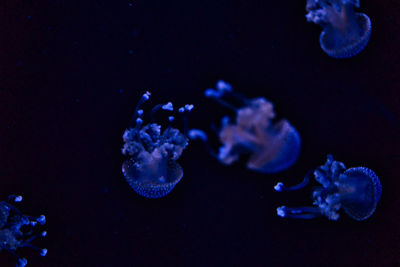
pixel 71 73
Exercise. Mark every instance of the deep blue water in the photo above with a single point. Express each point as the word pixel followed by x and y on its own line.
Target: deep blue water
pixel 71 73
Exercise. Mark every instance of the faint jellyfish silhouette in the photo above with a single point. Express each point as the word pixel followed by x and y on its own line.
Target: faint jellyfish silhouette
pixel 356 190
pixel 16 229
pixel 152 170
pixel 345 33
pixel 272 147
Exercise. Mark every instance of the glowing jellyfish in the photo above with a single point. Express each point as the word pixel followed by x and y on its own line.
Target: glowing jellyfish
pixel 152 170
pixel 356 190
pixel 16 229
pixel 345 33
pixel 272 146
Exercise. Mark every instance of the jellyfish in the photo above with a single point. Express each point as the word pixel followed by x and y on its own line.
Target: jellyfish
pixel 271 146
pixel 152 169
pixel 356 190
pixel 345 33
pixel 16 229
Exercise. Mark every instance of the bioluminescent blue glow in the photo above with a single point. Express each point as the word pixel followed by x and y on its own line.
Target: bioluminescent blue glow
pixel 16 229
pixel 272 146
pixel 345 33
pixel 152 170
pixel 356 190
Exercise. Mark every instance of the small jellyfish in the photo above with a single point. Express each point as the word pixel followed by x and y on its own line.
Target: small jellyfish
pixel 356 190
pixel 345 33
pixel 152 170
pixel 271 146
pixel 16 229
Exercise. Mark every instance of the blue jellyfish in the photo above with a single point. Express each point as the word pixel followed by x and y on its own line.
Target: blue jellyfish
pixel 16 229
pixel 271 146
pixel 152 170
pixel 356 190
pixel 345 33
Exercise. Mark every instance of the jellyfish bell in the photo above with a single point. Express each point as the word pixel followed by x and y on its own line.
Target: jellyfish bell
pixel 272 147
pixel 145 185
pixel 335 45
pixel 280 150
pixel 356 190
pixel 345 33
pixel 152 170
pixel 360 192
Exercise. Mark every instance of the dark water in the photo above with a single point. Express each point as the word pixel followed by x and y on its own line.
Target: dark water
pixel 71 73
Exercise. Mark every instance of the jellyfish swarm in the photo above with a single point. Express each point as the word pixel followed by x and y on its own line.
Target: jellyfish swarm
pixel 272 147
pixel 152 170
pixel 16 229
pixel 356 190
pixel 345 33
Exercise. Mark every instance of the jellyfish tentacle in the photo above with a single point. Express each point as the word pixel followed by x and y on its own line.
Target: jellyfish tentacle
pixel 13 234
pixel 298 212
pixel 164 137
pixel 21 262
pixel 197 134
pixel 210 93
pixel 280 187
pixel 35 220
pixel 171 119
pixel 244 101
pixel 225 89
pixel 185 111
pixel 223 86
pixel 29 240
pixel 139 123
pixel 167 107
pixel 136 114
pixel 41 219
pixel 43 251
pixel 14 198
pixel 12 208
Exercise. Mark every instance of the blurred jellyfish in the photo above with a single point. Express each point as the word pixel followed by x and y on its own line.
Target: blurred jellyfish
pixel 272 147
pixel 152 170
pixel 345 33
pixel 356 190
pixel 16 229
